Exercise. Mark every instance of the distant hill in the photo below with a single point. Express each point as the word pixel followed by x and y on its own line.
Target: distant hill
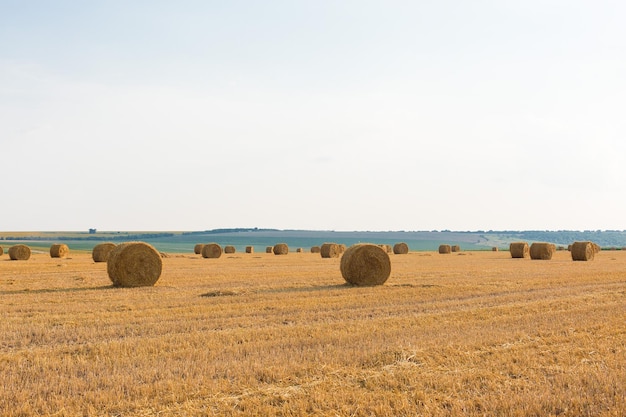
pixel 604 238
pixel 260 238
pixel 474 239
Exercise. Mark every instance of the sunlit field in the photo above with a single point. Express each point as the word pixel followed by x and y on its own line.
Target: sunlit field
pixel 462 334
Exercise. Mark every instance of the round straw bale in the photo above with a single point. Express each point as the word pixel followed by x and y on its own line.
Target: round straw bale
pixel 101 251
pixel 269 249
pixel 569 248
pixel 19 253
pixel 229 249
pixel 134 264
pixel 400 248
pixel 330 250
pixel 365 264
pixel 249 249
pixel 342 247
pixel 583 251
pixel 445 249
pixel 519 249
pixel 596 247
pixel 1 251
pixel 299 250
pixel 59 250
pixel 455 248
pixel 494 249
pixel 198 248
pixel 542 251
pixel 280 249
pixel 211 250
pixel 316 249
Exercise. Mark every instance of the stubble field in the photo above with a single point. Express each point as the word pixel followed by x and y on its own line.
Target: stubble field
pixel 469 334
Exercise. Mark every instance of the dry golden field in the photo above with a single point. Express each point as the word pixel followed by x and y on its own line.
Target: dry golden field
pixel 462 334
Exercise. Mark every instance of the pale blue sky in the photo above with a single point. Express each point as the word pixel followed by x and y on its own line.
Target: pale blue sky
pixel 344 115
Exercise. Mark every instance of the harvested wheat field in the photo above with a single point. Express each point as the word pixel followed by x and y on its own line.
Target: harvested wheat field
pixel 469 334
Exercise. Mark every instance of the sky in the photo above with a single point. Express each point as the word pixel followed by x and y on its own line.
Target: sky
pixel 322 115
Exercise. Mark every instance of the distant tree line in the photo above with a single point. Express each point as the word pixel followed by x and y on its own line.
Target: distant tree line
pixel 232 230
pixel 138 236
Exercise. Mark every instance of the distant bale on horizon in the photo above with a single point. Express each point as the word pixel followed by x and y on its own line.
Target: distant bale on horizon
pixel 330 250
pixel 316 249
pixel 249 249
pixel 495 249
pixel 211 250
pixel 101 252
pixel 597 248
pixel 134 264
pixel 365 264
pixel 198 248
pixel 280 249
pixel 519 250
pixel 1 251
pixel 400 248
pixel 386 247
pixel 19 253
pixel 59 250
pixel 229 249
pixel 582 251
pixel 299 250
pixel 542 251
pixel 455 248
pixel 443 249
pixel 269 249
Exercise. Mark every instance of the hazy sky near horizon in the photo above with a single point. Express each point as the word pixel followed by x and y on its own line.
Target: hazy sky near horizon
pixel 333 115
